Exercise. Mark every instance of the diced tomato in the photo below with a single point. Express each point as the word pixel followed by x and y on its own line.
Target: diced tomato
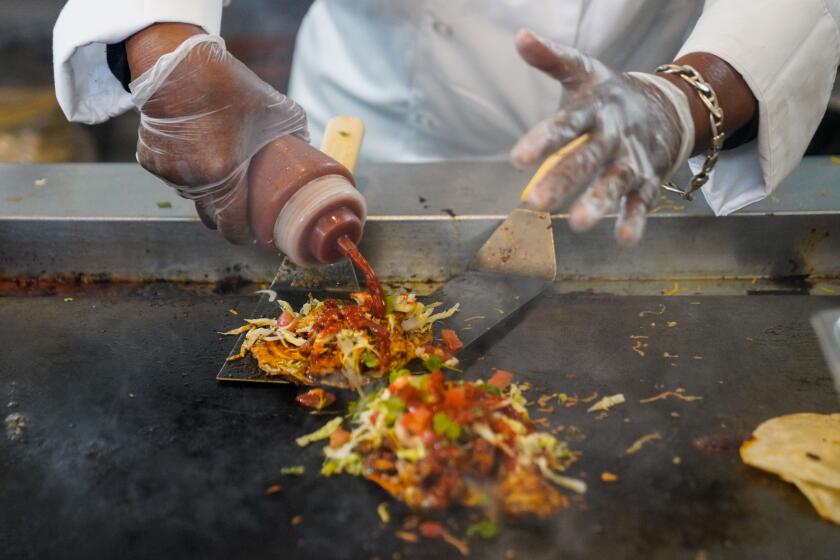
pixel 417 421
pixel 408 394
pixel 316 398
pixel 373 416
pixel 450 338
pixel 431 530
pixel 285 319
pixel 456 398
pixel 339 438
pixel 434 383
pixel 501 379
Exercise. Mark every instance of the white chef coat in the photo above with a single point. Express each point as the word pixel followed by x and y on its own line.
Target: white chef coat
pixel 440 79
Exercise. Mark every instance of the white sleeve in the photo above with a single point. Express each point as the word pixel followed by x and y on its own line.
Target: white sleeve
pixel 788 54
pixel 86 89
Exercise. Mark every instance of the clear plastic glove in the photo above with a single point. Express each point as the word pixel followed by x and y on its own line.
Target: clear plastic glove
pixel 203 116
pixel 640 132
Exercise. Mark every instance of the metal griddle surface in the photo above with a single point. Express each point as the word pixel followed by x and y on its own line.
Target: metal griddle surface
pixel 135 451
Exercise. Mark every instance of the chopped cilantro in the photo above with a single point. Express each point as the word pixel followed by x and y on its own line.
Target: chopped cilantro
pixel 485 529
pixel 446 426
pixel 370 359
pixel 164 204
pixel 433 363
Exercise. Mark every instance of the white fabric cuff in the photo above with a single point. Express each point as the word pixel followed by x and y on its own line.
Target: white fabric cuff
pixel 789 61
pixel 86 89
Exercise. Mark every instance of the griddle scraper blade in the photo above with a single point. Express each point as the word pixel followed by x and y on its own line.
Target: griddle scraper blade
pixel 515 265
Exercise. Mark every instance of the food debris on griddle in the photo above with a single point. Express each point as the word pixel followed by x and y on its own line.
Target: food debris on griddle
pixel 677 393
pixel 383 512
pixel 606 403
pixel 659 311
pixel 609 477
pixel 407 536
pixel 434 530
pixel 316 399
pixel 637 445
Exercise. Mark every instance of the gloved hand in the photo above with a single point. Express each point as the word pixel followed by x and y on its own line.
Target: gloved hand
pixel 640 132
pixel 203 116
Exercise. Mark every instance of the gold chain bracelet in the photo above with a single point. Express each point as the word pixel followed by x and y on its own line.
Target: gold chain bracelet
pixel 710 100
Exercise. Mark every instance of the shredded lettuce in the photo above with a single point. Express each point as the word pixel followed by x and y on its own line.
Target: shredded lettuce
pixel 272 295
pixel 351 345
pixel 423 316
pixel 351 463
pixel 573 484
pixel 323 432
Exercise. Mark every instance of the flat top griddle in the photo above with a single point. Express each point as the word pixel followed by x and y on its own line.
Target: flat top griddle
pixel 133 450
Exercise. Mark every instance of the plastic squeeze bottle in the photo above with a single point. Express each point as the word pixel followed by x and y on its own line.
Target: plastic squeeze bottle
pixel 302 201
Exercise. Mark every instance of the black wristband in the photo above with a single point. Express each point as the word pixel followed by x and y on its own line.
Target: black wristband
pixel 118 63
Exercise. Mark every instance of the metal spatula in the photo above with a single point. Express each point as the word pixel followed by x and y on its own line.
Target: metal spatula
pixel 514 266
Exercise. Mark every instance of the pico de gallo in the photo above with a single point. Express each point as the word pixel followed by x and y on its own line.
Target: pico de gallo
pixel 432 442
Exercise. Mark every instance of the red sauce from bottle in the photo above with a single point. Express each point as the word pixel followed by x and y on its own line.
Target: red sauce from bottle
pixel 337 316
pixel 359 261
